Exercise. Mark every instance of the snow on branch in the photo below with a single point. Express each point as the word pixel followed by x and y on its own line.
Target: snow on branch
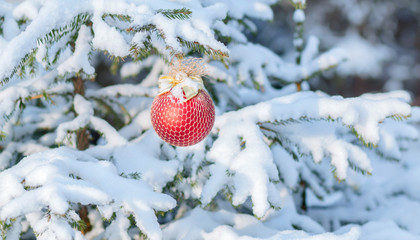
pixel 256 72
pixel 243 160
pixel 150 166
pixel 319 140
pixel 117 27
pixel 48 184
pixel 84 111
pixel 258 9
pixel 353 112
pixel 79 60
pixel 126 90
pixel 247 163
pixel 265 64
pixel 6 155
pixel 15 96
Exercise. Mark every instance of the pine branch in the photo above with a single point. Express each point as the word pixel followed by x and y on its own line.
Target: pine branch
pixel 144 28
pixel 53 36
pixel 317 73
pixel 110 114
pixel 361 139
pixel 22 21
pixel 298 4
pixel 120 17
pixel 180 14
pixel 20 69
pixel 295 120
pixel 57 33
pixel 203 49
pixel 263 125
pixel 298 41
pixel 292 148
pixel 385 157
pixel 115 59
pixel 224 39
pixel 1 25
pixel 5 227
pixel 18 105
pixel 140 53
pixel 135 175
pixel 399 117
pixel 282 140
pixel 245 22
pixel 145 51
pixel 79 225
pixel 357 169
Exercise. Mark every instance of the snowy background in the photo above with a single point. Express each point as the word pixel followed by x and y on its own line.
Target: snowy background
pixel 315 134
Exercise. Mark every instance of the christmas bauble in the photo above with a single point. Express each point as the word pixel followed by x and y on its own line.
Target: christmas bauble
pixel 181 122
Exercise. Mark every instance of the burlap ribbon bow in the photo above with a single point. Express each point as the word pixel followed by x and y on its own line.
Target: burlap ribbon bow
pixel 186 72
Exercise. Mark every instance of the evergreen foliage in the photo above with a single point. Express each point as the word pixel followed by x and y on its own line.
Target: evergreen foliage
pixel 80 160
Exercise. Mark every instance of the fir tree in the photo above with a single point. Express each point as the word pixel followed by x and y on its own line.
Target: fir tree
pixel 81 160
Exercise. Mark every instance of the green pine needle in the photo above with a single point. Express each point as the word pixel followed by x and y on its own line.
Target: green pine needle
pixel 144 28
pixel 357 169
pixel 361 139
pixel 135 175
pixel 180 14
pixel 79 225
pixel 203 49
pixel 120 17
pixel 57 33
pixel 297 5
pixel 53 36
pixel 399 117
pixel 140 53
pixel 386 157
pixel 5 227
pixel 230 173
pixel 1 25
pixel 2 135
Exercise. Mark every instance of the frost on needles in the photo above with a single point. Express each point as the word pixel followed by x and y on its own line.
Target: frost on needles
pixel 273 141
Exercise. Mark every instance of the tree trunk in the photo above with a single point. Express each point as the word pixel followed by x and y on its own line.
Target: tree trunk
pixel 82 143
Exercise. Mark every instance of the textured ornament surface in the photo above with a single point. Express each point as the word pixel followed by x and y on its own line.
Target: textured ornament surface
pixel 182 123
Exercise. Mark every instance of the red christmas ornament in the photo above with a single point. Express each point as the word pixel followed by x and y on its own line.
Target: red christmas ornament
pixel 183 112
pixel 182 123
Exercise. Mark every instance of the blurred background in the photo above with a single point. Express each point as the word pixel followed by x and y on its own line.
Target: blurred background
pixel 382 38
